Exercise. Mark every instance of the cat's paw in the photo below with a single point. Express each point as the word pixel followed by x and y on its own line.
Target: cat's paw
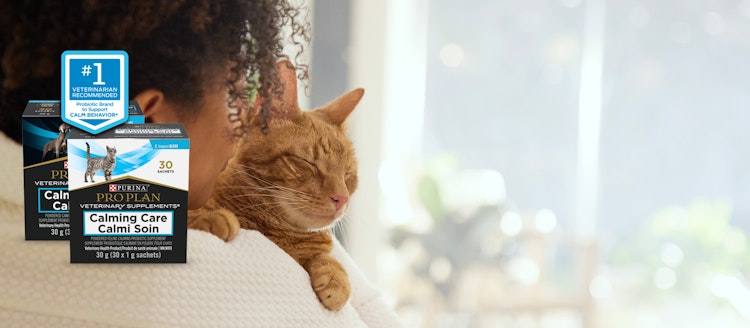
pixel 330 282
pixel 221 223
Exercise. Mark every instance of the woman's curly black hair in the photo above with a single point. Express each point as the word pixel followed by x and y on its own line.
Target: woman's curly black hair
pixel 173 46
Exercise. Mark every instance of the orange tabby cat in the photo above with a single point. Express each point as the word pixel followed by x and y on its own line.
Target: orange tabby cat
pixel 291 184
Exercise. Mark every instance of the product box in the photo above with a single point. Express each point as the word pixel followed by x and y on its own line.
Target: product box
pixel 128 194
pixel 45 155
pixel 135 114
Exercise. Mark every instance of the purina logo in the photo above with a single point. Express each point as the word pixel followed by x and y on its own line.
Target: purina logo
pixel 128 188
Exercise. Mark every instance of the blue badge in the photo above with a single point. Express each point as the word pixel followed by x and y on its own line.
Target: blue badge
pixel 94 89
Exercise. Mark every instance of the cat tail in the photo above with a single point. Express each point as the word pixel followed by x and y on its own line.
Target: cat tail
pixel 88 151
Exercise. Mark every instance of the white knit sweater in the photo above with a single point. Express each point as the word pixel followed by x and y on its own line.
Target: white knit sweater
pixel 249 282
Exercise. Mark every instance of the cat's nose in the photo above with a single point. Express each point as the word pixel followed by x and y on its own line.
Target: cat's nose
pixel 339 201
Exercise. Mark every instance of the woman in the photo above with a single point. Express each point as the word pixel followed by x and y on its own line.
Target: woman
pixel 190 62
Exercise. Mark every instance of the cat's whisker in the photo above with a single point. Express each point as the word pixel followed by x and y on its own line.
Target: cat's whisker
pixel 291 198
pixel 232 173
pixel 252 206
pixel 244 171
pixel 342 225
pixel 284 196
pixel 268 183
pixel 336 229
pixel 272 205
pixel 281 189
pixel 252 188
pixel 246 187
pixel 267 207
pixel 286 189
pixel 267 188
pixel 252 195
pixel 248 194
pixel 287 200
pixel 247 171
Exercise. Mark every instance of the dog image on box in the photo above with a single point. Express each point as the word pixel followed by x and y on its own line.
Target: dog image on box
pixel 59 144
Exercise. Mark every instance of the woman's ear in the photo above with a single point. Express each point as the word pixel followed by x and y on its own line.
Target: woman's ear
pixel 155 108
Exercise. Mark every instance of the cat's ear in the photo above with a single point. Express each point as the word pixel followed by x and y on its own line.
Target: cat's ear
pixel 288 76
pixel 338 110
pixel 285 105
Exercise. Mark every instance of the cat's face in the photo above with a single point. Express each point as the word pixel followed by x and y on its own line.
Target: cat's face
pixel 305 166
pixel 310 169
pixel 111 151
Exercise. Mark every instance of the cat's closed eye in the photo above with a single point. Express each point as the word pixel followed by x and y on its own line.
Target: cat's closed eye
pixel 311 164
pixel 300 168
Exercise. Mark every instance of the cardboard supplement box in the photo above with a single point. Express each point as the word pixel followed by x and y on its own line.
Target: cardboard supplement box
pixel 128 194
pixel 45 155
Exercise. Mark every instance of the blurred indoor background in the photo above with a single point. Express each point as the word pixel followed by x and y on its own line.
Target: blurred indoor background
pixel 547 163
